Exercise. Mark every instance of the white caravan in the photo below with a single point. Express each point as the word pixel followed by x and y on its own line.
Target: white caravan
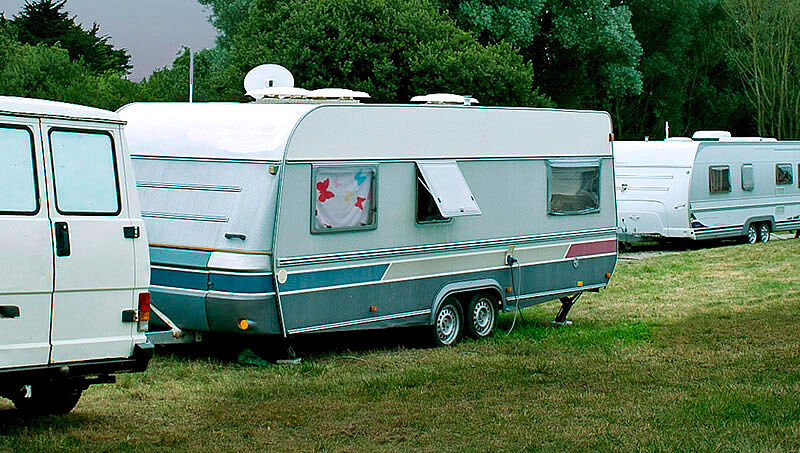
pixel 291 218
pixel 74 271
pixel 706 187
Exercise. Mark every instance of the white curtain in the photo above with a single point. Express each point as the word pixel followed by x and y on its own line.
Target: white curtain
pixel 343 197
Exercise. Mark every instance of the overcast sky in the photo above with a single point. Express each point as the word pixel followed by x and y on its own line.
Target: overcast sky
pixel 153 31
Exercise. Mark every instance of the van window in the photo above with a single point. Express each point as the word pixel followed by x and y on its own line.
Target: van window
pixel 719 179
pixel 573 187
pixel 748 183
pixel 448 188
pixel 85 172
pixel 783 174
pixel 344 198
pixel 18 188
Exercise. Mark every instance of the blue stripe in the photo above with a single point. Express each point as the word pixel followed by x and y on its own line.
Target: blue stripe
pixel 179 257
pixel 335 277
pixel 242 283
pixel 179 279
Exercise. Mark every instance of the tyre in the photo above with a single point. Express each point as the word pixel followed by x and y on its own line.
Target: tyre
pixel 763 232
pixel 481 316
pixel 448 324
pixel 49 398
pixel 752 234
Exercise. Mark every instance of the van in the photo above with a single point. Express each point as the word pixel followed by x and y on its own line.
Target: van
pixel 282 218
pixel 74 269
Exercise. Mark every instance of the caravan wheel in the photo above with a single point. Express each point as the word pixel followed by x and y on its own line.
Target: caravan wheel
pixel 48 398
pixel 448 325
pixel 481 316
pixel 752 234
pixel 763 232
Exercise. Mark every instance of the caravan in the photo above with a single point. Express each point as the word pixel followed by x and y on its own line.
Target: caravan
pixel 284 218
pixel 707 187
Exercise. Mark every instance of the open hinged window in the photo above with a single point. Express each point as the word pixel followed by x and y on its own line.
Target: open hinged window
pixel 448 188
pixel 573 187
pixel 344 198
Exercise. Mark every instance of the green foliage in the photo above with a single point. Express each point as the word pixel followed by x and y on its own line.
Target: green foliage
pixel 46 22
pixel 227 16
pixel 393 49
pixel 47 72
pixel 212 79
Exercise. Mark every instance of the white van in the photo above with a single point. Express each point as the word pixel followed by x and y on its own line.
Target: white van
pixel 74 269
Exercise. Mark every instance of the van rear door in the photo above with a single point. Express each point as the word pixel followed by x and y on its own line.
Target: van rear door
pixel 26 260
pixel 94 260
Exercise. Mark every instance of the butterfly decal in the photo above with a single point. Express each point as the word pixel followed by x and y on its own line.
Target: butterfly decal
pixel 348 196
pixel 360 202
pixel 360 178
pixel 324 193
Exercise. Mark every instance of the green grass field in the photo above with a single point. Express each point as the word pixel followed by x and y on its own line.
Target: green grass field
pixel 692 351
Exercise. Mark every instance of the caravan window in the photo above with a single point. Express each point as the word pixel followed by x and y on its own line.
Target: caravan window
pixel 748 183
pixel 18 190
pixel 427 209
pixel 573 187
pixel 343 198
pixel 85 171
pixel 449 190
pixel 783 174
pixel 719 179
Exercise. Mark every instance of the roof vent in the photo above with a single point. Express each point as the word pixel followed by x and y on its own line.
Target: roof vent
pixel 711 135
pixel 272 83
pixel 445 99
pixel 337 93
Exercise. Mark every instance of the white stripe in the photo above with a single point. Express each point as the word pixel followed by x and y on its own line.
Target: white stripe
pixel 358 322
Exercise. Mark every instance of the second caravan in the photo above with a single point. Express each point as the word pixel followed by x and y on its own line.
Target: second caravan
pixel 291 218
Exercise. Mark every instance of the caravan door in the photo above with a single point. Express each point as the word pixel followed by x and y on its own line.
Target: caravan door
pixel 94 260
pixel 26 262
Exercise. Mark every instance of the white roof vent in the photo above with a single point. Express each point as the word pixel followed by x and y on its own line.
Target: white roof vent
pixel 337 93
pixel 265 77
pixel 711 135
pixel 279 93
pixel 445 98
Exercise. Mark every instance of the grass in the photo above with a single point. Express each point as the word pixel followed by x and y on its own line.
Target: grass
pixel 692 351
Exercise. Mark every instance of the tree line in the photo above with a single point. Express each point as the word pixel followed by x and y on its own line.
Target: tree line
pixel 697 64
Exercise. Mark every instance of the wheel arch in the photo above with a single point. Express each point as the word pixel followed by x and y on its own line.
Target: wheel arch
pixel 760 219
pixel 472 286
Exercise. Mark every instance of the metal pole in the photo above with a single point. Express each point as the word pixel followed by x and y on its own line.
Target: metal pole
pixel 191 75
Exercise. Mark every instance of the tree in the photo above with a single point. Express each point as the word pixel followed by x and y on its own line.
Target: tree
pixel 227 16
pixel 46 22
pixel 766 52
pixel 393 49
pixel 584 51
pixel 212 79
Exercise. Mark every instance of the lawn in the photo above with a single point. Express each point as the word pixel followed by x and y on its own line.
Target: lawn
pixel 698 350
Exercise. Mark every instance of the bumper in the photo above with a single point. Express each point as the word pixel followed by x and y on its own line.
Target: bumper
pixel 142 353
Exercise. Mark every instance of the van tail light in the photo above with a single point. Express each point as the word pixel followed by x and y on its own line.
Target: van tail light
pixel 144 311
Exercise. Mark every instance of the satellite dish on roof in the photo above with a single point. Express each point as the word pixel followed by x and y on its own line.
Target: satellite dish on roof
pixel 267 76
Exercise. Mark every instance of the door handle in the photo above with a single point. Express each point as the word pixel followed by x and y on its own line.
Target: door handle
pixel 62 239
pixel 9 311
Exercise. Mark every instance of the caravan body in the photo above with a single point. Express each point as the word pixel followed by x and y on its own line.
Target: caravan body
pixel 272 218
pixel 707 189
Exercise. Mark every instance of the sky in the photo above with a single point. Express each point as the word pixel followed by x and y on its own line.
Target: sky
pixel 153 31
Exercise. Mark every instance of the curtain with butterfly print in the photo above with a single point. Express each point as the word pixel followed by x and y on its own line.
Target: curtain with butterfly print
pixel 343 197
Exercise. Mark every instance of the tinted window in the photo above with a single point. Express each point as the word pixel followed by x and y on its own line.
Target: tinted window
pixel 747 177
pixel 18 191
pixel 719 179
pixel 344 198
pixel 573 189
pixel 783 174
pixel 85 173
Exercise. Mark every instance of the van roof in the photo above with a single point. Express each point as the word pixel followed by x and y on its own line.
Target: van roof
pixel 11 105
pixel 262 132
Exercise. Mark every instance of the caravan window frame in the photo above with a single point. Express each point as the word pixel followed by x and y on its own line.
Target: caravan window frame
pixel 315 169
pixel 595 164
pixel 421 190
pixel 115 166
pixel 726 188
pixel 778 170
pixel 752 180
pixel 451 204
pixel 35 173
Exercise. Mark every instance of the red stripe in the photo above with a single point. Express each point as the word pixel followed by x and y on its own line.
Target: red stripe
pixel 592 248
